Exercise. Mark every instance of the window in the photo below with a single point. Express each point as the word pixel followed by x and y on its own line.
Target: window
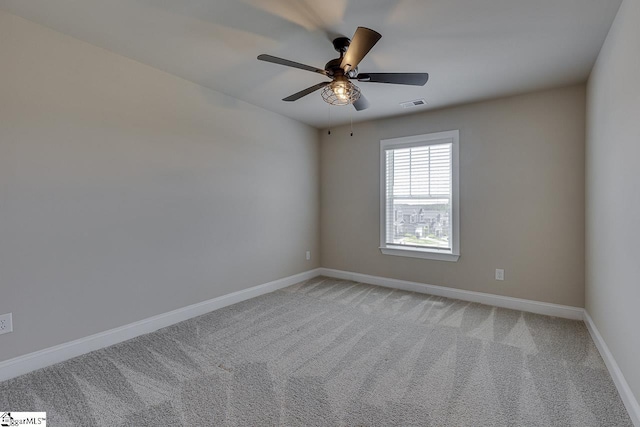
pixel 419 212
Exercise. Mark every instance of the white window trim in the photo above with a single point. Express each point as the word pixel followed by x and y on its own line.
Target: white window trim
pixel 426 253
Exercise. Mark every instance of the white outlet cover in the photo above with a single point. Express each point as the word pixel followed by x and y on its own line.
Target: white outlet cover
pixel 6 323
pixel 499 274
pixel 308 255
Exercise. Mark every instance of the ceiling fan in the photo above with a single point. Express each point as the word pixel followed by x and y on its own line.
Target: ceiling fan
pixel 340 90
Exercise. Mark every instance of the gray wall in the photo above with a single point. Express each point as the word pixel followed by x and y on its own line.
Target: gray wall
pixel 126 192
pixel 613 192
pixel 521 190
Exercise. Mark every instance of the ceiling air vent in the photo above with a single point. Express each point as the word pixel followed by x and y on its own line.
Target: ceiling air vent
pixel 414 103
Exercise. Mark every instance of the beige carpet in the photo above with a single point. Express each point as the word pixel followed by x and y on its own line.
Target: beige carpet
pixel 328 352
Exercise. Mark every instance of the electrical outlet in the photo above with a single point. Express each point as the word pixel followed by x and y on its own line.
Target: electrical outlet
pixel 499 274
pixel 6 323
pixel 308 255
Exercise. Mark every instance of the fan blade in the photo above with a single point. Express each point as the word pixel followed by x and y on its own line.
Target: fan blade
pixel 287 63
pixel 305 92
pixel 362 103
pixel 363 40
pixel 414 79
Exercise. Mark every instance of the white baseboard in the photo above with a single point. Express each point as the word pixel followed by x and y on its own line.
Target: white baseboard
pixel 627 396
pixel 545 308
pixel 40 359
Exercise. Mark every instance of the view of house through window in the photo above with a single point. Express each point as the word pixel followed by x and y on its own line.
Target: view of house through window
pixel 419 200
pixel 418 196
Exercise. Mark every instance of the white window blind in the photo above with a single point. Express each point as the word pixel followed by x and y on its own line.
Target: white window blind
pixel 419 200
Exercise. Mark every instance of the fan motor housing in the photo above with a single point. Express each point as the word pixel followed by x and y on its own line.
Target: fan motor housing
pixel 340 44
pixel 334 69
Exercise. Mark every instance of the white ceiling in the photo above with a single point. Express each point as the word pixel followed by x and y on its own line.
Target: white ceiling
pixel 472 49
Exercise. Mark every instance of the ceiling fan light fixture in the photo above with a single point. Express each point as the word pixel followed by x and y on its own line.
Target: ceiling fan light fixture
pixel 340 92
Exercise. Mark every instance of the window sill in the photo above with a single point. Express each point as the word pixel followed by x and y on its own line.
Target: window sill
pixel 420 253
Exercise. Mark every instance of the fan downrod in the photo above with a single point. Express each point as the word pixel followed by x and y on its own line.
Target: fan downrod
pixel 340 44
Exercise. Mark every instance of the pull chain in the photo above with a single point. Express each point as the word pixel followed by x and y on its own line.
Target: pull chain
pixel 329 131
pixel 351 117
